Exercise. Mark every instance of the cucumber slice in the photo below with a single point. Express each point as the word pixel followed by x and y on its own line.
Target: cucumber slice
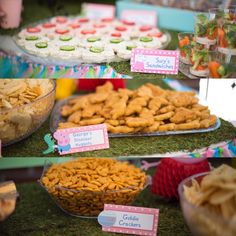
pixel 222 71
pixel 32 38
pixel 146 39
pixel 96 50
pixel 65 38
pixel 130 47
pixel 41 45
pixel 93 39
pixel 116 40
pixel 67 48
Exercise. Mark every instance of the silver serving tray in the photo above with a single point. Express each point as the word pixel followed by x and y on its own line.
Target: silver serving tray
pixel 56 118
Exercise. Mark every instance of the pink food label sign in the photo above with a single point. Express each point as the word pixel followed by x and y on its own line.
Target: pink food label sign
pixel 148 17
pixel 154 61
pixel 98 11
pixel 129 220
pixel 82 139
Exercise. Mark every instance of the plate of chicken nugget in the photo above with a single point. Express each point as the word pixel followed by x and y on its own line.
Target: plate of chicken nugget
pixel 146 111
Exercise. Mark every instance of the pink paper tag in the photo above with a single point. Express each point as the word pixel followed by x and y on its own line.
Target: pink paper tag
pixel 82 139
pixel 148 17
pixel 129 220
pixel 98 11
pixel 155 61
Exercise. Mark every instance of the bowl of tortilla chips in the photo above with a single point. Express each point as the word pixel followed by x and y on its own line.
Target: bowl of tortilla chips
pixel 25 104
pixel 208 202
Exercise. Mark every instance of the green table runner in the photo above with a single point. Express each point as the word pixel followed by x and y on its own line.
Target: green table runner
pixel 136 146
pixel 36 214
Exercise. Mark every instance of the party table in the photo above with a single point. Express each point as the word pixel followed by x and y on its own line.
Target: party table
pixel 130 146
pixel 16 66
pixel 34 203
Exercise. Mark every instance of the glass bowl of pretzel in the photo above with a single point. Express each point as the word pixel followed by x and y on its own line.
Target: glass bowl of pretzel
pixel 208 202
pixel 82 186
pixel 24 106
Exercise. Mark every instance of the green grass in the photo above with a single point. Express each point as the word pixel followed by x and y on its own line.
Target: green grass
pixel 136 146
pixel 34 145
pixel 124 67
pixel 37 215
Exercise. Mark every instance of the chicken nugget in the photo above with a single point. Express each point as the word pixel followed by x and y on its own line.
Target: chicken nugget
pixel 66 125
pixel 112 99
pixel 105 88
pixel 122 121
pixel 75 117
pixel 77 99
pixel 93 121
pixel 144 92
pixel 112 122
pixel 138 122
pixel 205 114
pixel 165 116
pixel 122 129
pixel 125 92
pixel 166 109
pixel 66 110
pixel 91 110
pixel 146 113
pixel 105 112
pixel 153 128
pixel 98 97
pixel 199 107
pixel 182 100
pixel 182 115
pixel 181 93
pixel 156 103
pixel 156 90
pixel 188 126
pixel 167 127
pixel 206 123
pixel 82 103
pixel 135 106
pixel 119 109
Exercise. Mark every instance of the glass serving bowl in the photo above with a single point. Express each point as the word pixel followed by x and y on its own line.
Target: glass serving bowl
pixel 200 220
pixel 8 201
pixel 186 43
pixel 88 203
pixel 21 121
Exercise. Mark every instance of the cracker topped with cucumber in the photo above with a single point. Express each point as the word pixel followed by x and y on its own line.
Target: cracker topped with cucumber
pixel 90 41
